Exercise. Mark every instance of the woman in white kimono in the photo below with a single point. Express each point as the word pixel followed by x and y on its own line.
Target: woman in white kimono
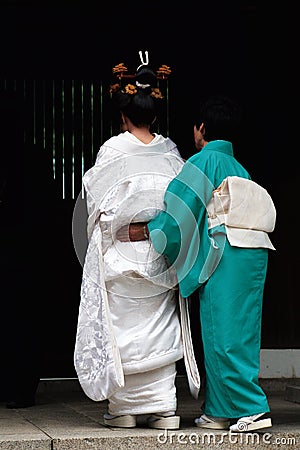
pixel 129 330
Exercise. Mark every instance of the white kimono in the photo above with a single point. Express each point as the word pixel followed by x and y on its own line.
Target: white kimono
pixel 128 316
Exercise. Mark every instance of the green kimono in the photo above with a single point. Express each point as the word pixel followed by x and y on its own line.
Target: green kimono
pixel 230 282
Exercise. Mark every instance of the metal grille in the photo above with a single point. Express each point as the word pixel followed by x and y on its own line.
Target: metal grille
pixel 70 119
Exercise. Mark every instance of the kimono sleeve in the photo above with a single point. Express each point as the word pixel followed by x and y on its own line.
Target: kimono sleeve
pixel 180 231
pixel 169 227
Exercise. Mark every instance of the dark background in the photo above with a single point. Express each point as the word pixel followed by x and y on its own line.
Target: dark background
pixel 245 49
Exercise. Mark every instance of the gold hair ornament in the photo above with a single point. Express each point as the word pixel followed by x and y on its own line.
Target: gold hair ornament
pixel 156 93
pixel 163 72
pixel 132 90
pixel 121 71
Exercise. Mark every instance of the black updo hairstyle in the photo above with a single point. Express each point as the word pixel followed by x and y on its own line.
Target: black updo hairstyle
pixel 140 108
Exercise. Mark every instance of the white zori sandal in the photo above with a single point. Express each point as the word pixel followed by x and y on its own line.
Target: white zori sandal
pixel 164 421
pixel 214 423
pixel 126 421
pixel 250 423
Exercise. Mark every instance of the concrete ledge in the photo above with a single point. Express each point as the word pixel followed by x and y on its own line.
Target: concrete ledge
pixel 292 394
pixel 269 385
pixel 48 385
pixel 26 444
pixel 280 363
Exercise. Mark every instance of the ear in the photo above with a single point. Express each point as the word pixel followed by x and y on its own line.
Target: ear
pixel 122 118
pixel 202 128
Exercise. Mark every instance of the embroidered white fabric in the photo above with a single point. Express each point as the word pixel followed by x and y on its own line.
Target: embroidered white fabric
pixel 128 310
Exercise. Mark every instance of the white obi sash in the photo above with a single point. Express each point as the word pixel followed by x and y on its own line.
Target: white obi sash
pixel 247 211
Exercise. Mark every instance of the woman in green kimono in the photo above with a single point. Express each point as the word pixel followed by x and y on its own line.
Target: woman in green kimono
pixel 221 250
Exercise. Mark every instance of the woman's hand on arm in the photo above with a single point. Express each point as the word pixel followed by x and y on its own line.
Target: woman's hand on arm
pixel 133 232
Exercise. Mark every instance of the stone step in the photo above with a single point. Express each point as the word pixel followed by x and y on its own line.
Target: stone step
pixel 65 419
pixel 292 393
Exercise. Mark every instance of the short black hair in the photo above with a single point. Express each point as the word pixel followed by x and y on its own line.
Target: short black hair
pixel 222 118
